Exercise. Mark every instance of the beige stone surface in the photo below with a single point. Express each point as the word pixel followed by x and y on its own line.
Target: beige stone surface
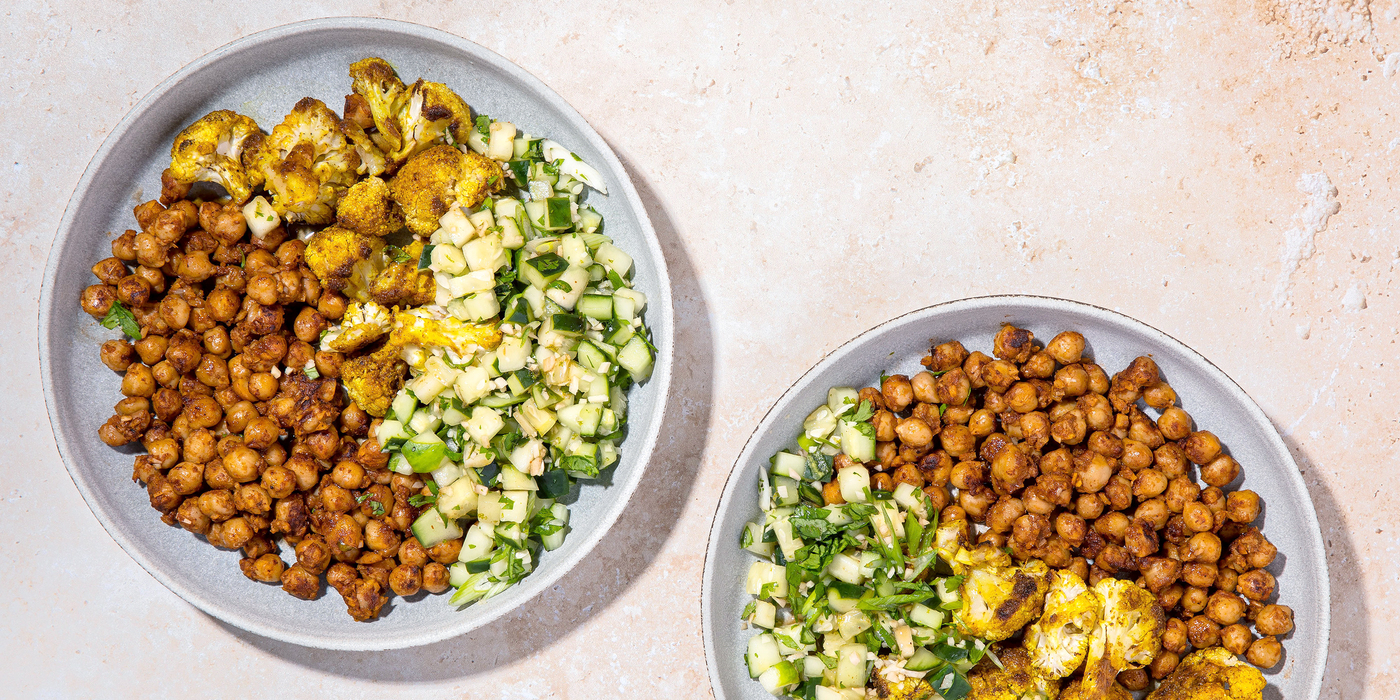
pixel 1226 172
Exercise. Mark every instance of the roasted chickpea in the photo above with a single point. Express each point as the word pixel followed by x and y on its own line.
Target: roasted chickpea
pixel 244 465
pixel 354 421
pixel 191 517
pixel 406 579
pixel 252 498
pixel 1174 639
pixel 328 363
pixel 175 312
pixel 263 386
pixel 1134 679
pixel 1181 491
pixel 118 355
pixel 881 482
pixel 831 493
pixel 1193 599
pixel 152 348
pixel 279 481
pixel 924 385
pixel 1242 506
pixel 957 440
pixel 897 392
pixel 1163 664
pixel 306 472
pixel 1066 348
pixel 202 411
pixel 212 372
pixel 1236 638
pixel 1256 585
pixel 1203 547
pixel 138 381
pixel 216 477
pixel 1274 620
pixel 313 554
pixel 434 577
pixel 1092 474
pixel 1220 471
pixel 1159 572
pixel 1201 447
pixel 1001 517
pixel 914 432
pixel 1203 632
pixel 1265 652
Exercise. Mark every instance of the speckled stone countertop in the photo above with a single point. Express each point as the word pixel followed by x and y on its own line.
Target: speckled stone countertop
pixel 1223 171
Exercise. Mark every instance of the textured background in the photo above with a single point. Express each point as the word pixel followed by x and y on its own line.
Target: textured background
pixel 1222 171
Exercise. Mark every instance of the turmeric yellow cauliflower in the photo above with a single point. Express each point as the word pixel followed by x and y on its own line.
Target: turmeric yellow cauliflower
pixel 951 536
pixel 408 120
pixel 361 325
pixel 1075 691
pixel 429 184
pixel 345 261
pixel 904 688
pixel 420 327
pixel 997 597
pixel 306 163
pixel 1129 634
pixel 367 208
pixel 1058 641
pixel 212 150
pixel 1016 679
pixel 1211 674
pixel 373 380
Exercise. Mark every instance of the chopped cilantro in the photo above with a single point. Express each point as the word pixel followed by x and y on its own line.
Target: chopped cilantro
pixel 119 316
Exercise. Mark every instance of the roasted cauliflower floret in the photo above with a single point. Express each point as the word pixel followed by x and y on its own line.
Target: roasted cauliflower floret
pixel 373 380
pixel 998 598
pixel 367 208
pixel 306 163
pixel 1016 679
pixel 1059 640
pixel 407 120
pixel 1075 691
pixel 900 687
pixel 403 284
pixel 421 327
pixel 1128 636
pixel 345 261
pixel 428 185
pixel 361 325
pixel 951 536
pixel 1211 674
pixel 212 149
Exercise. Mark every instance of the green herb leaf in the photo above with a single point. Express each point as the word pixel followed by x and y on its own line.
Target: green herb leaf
pixel 483 127
pixel 397 254
pixel 425 259
pixel 748 610
pixel 863 412
pixel 119 316
pixel 420 500
pixel 376 507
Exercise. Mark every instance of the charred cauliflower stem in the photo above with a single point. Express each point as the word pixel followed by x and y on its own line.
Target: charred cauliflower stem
pixel 1059 640
pixel 456 285
pixel 212 150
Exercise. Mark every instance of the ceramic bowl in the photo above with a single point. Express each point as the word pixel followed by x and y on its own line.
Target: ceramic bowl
pixel 262 76
pixel 1213 400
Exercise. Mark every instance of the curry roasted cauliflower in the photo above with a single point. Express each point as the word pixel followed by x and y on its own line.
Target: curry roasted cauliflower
pixel 1016 679
pixel 1128 636
pixel 372 380
pixel 212 150
pixel 367 208
pixel 403 284
pixel 345 261
pixel 901 688
pixel 306 163
pixel 428 185
pixel 1059 640
pixel 951 536
pixel 997 597
pixel 408 120
pixel 1211 674
pixel 420 327
pixel 361 325
pixel 1075 691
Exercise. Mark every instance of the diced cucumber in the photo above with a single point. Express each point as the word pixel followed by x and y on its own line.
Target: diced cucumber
pixel 567 325
pixel 478 543
pixel 753 534
pixel 452 416
pixel 614 259
pixel 569 287
pixel 589 220
pixel 845 568
pixel 512 353
pixel 515 506
pixel 483 253
pixel 458 499
pixel 851 623
pixel 480 306
pixel 765 614
pixel 519 381
pixel 762 654
pixel 432 527
pixel 812 667
pixel 779 677
pixel 581 418
pixel 513 479
pixel 767 580
pixel 599 306
pixel 635 357
pixel 787 541
pixel 390 430
pixel 424 421
pixel 457 574
pixel 785 492
pixel 819 423
pixel 488 507
pixel 837 397
pixel 472 384
pixel 854 483
pixel 484 424
pixel 851 666
pixel 447 473
pixel 926 616
pixel 922 660
pixel 841 599
pixel 836 515
pixel 558 213
pixel 424 452
pixel 620 336
pixel 540 270
pixel 402 407
pixel 517 309
pixel 399 463
pixel 590 356
pixel 789 465
pixel 855 444
pixel 555 540
pixel 575 250
pixel 624 308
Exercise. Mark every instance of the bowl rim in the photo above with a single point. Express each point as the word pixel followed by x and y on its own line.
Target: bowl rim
pixel 645 445
pixel 838 354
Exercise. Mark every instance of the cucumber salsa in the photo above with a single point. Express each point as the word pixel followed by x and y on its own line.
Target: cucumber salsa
pixel 502 427
pixel 855 590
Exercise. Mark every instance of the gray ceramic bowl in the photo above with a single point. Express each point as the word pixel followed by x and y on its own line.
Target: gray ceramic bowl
pixel 263 75
pixel 1213 400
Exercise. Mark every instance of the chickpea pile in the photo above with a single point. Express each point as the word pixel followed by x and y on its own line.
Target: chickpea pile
pixel 241 445
pixel 1059 463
